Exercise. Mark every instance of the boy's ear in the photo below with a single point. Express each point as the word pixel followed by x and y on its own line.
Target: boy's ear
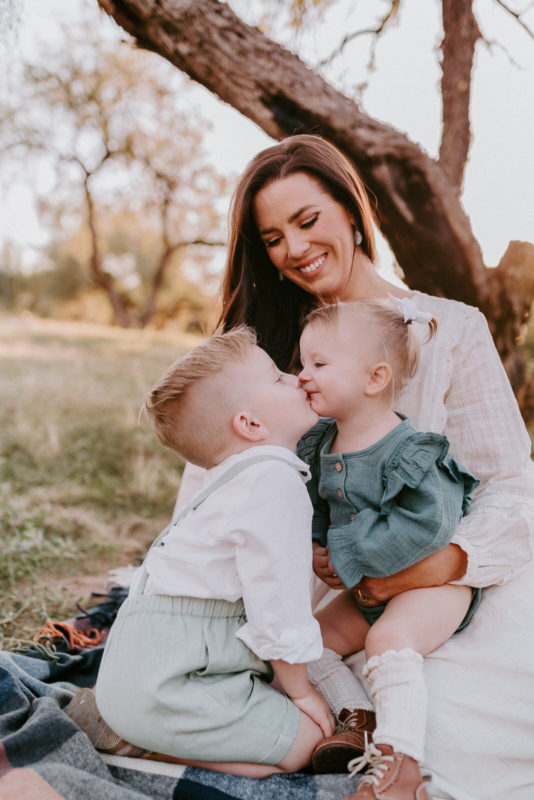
pixel 249 427
pixel 379 378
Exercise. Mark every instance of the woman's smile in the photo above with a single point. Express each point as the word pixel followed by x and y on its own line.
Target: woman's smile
pixel 308 235
pixel 311 268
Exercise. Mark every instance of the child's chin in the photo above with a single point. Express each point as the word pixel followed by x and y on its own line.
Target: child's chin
pixel 314 417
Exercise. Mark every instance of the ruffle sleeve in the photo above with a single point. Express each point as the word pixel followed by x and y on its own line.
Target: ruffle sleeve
pixel 309 450
pixel 416 456
pixel 309 446
pixel 425 494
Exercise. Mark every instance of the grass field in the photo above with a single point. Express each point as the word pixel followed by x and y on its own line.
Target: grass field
pixel 84 486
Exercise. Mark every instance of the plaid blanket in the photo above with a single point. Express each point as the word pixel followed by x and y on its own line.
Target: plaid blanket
pixel 45 756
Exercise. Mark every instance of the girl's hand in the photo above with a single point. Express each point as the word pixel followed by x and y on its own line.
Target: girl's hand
pixel 443 566
pixel 323 567
pixel 315 706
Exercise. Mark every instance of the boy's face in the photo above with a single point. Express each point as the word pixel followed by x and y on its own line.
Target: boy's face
pixel 336 365
pixel 275 397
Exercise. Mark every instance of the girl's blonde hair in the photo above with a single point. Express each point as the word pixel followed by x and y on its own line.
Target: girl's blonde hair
pixel 396 341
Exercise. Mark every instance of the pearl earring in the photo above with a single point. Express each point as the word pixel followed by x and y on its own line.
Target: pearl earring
pixel 280 276
pixel 358 238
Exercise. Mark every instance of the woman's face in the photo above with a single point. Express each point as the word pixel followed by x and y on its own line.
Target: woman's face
pixel 308 235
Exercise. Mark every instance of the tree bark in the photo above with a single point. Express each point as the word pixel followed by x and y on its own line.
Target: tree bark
pixel 420 212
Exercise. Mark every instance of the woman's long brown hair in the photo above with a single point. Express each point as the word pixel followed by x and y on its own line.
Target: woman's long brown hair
pixel 252 292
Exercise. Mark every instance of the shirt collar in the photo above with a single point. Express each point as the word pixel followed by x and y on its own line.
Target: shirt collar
pixel 262 450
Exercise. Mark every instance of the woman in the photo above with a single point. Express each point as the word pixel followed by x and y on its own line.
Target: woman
pixel 301 235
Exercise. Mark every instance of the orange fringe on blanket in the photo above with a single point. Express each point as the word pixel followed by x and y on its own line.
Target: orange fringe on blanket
pixel 74 637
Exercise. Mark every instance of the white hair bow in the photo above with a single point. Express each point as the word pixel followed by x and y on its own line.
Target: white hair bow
pixel 410 311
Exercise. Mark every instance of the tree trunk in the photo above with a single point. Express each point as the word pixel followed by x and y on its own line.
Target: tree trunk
pixel 420 213
pixel 103 278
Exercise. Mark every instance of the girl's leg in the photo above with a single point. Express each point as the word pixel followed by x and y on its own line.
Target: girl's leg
pixel 421 619
pixel 413 624
pixel 343 628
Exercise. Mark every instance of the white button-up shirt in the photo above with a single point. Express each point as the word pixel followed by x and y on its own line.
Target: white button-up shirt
pixel 250 539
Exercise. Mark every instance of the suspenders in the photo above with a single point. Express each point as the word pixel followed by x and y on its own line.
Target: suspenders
pixel 201 496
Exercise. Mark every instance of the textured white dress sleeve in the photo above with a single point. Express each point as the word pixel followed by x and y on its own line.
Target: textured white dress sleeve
pixel 461 390
pixel 489 437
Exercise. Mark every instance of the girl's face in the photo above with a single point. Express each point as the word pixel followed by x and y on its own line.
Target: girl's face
pixel 308 235
pixel 336 367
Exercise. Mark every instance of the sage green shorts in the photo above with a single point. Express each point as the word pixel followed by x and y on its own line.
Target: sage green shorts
pixel 174 679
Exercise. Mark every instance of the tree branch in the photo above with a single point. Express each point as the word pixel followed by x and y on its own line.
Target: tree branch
pixel 390 14
pixel 517 17
pixel 458 48
pixel 420 211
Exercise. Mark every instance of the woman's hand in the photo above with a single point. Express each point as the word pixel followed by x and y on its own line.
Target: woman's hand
pixel 323 567
pixel 443 566
pixel 315 706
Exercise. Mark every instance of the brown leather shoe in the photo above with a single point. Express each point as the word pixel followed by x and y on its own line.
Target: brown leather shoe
pixel 354 729
pixel 389 776
pixel 83 711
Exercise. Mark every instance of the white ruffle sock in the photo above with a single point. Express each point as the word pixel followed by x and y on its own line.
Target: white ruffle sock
pixel 399 694
pixel 337 683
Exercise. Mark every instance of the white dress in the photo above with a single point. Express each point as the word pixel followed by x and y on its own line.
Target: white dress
pixel 480 728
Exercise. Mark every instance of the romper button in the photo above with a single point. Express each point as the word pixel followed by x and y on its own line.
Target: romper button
pixel 352 516
pixel 339 466
pixel 339 493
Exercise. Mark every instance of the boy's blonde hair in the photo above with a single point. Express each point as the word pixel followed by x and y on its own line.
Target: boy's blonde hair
pixel 183 411
pixel 395 339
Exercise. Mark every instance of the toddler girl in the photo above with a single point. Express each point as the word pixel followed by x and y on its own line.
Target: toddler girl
pixel 385 496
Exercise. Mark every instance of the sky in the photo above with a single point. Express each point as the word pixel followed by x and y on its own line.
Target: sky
pixel 403 91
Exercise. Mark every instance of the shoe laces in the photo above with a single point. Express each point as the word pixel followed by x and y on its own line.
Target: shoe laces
pixel 350 723
pixel 374 760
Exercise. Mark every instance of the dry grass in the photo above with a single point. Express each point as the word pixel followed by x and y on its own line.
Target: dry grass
pixel 84 487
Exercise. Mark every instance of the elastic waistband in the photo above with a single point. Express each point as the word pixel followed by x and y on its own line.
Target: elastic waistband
pixel 184 606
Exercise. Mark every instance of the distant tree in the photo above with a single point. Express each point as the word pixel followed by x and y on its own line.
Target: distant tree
pixel 421 214
pixel 105 123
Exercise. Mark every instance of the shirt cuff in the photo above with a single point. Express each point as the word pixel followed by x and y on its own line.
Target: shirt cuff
pixel 294 645
pixel 472 560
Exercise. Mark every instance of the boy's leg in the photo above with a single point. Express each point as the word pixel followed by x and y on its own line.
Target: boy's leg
pixel 298 757
pixel 84 712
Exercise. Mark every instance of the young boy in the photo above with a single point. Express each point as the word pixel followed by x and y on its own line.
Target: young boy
pixel 218 604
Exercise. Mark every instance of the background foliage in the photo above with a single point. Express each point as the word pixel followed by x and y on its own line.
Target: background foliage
pixel 84 485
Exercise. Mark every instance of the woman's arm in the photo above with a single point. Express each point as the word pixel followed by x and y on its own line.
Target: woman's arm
pixel 445 565
pixel 487 434
pixel 494 541
pixel 410 525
